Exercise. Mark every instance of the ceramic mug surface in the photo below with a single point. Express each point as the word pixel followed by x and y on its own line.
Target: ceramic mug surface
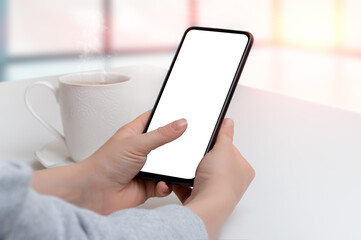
pixel 93 106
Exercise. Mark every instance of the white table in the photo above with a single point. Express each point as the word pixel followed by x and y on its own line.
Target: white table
pixel 307 159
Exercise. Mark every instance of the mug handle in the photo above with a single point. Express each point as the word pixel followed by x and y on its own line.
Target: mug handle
pixel 54 89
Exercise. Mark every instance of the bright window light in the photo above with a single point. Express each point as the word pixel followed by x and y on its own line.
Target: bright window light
pixel 309 23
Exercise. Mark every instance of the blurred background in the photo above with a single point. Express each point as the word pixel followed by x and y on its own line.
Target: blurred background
pixel 309 49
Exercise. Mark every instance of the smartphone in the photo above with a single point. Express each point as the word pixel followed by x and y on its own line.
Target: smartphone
pixel 198 87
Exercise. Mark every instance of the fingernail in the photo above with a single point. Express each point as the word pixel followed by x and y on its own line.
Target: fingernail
pixel 179 124
pixel 165 190
pixel 228 123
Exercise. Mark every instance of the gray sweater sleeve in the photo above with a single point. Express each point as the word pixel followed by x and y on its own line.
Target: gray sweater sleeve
pixel 25 214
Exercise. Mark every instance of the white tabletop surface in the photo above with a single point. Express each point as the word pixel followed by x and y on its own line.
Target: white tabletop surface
pixel 307 158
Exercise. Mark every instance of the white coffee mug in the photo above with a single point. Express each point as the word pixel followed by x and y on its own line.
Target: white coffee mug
pixel 93 106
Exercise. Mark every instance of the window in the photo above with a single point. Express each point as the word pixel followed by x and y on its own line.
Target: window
pixel 308 49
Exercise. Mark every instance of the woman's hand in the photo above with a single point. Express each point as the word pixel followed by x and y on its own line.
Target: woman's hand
pixel 105 181
pixel 222 178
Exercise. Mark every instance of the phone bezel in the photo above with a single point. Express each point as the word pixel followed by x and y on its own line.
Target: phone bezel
pixel 189 182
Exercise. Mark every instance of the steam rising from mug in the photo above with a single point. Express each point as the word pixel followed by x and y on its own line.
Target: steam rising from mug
pixel 90 44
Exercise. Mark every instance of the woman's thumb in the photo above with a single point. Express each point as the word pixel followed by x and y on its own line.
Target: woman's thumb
pixel 158 137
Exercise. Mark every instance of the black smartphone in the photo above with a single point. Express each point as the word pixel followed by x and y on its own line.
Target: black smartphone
pixel 198 87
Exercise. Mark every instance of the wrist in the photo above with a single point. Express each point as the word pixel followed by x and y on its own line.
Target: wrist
pixel 68 182
pixel 213 209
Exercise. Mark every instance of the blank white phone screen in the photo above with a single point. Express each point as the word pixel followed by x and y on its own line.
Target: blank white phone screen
pixel 196 90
